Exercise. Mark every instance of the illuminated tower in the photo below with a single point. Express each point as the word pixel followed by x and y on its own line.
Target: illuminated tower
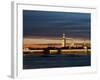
pixel 63 40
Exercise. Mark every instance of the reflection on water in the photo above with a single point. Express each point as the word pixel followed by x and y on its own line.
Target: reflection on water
pixel 55 60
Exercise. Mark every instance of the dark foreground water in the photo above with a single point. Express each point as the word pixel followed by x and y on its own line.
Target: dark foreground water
pixel 55 60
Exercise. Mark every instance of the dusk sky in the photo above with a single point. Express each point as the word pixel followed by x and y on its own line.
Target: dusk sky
pixel 54 24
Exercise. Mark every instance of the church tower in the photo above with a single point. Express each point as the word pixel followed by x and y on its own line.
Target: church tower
pixel 63 40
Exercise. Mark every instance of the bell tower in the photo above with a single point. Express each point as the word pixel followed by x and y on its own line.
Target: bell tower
pixel 63 40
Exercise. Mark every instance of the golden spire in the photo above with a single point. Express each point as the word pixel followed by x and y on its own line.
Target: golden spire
pixel 63 35
pixel 63 40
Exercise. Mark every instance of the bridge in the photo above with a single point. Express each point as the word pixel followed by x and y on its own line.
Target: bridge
pixel 57 51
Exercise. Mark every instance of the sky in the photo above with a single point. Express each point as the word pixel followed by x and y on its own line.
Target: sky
pixel 54 24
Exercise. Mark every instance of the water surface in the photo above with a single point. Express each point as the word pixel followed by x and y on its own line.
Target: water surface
pixel 55 60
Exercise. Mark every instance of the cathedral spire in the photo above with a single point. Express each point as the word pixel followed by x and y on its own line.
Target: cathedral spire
pixel 63 40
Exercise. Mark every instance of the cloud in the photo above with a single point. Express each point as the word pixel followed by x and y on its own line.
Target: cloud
pixel 47 23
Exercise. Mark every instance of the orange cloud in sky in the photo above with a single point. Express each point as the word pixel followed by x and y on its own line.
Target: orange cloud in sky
pixel 43 43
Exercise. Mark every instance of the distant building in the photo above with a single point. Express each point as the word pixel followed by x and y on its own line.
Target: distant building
pixel 71 43
pixel 64 40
